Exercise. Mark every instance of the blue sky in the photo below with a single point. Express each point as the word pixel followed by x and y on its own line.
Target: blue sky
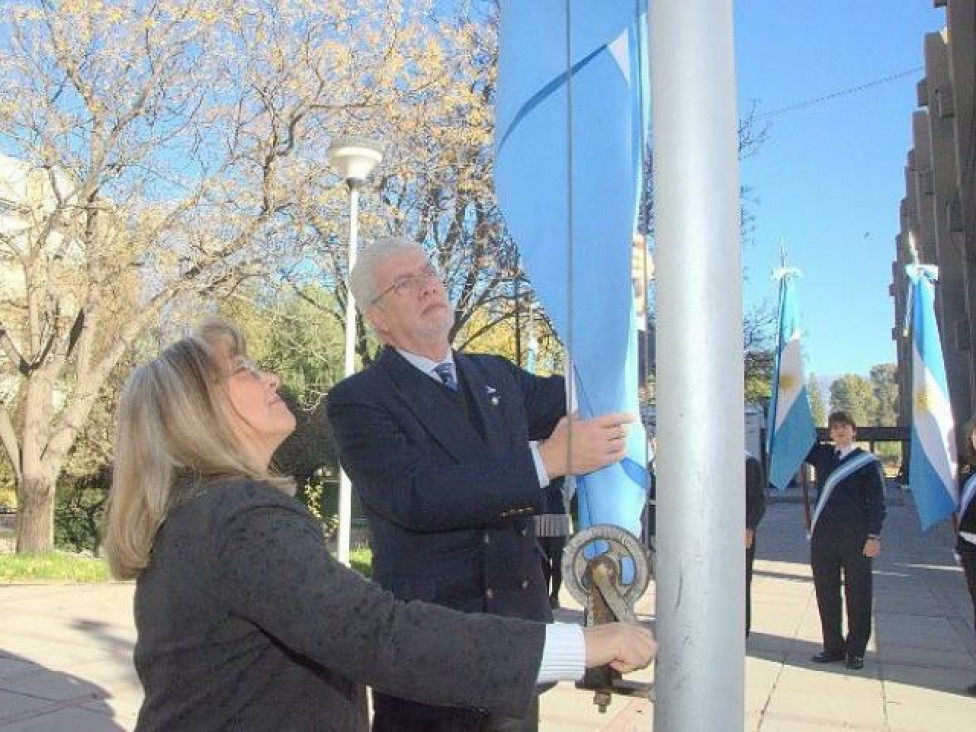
pixel 830 177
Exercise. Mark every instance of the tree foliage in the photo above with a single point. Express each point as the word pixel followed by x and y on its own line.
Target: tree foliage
pixel 853 394
pixel 817 407
pixel 161 152
pixel 884 385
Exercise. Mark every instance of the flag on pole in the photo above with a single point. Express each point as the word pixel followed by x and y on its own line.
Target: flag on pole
pixel 932 471
pixel 791 431
pixel 569 114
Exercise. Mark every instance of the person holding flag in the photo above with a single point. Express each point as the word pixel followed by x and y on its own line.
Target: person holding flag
pixel 845 536
pixel 966 539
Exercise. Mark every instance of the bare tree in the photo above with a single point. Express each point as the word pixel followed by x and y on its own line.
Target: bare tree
pixel 158 151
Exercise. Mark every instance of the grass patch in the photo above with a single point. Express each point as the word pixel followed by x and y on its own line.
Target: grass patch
pixel 52 567
pixel 362 561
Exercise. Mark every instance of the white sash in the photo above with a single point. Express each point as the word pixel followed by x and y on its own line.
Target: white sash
pixel 968 492
pixel 836 477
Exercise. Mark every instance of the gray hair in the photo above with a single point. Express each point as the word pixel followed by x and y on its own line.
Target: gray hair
pixel 362 280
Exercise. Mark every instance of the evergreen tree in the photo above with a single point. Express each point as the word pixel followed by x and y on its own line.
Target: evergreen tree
pixel 854 394
pixel 817 406
pixel 884 384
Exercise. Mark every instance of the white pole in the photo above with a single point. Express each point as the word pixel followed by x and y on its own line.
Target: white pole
pixel 345 485
pixel 701 504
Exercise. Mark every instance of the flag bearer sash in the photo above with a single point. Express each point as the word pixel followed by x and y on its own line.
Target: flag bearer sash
pixel 839 473
pixel 968 492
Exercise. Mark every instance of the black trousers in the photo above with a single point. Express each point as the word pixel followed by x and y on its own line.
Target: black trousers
pixel 552 563
pixel 969 568
pixel 750 558
pixel 837 553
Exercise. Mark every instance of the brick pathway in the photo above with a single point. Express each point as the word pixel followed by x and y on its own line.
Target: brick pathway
pixel 65 651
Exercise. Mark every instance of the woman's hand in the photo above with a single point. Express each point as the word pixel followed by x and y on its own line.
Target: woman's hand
pixel 625 646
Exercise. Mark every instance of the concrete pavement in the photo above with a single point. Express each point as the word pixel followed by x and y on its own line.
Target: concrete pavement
pixel 65 651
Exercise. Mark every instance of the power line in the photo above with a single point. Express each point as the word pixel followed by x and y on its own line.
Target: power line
pixel 840 93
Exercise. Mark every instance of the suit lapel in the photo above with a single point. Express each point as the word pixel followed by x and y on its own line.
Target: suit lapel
pixel 485 398
pixel 433 407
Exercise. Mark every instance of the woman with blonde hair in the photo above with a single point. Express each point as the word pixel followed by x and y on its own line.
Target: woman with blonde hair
pixel 966 541
pixel 244 620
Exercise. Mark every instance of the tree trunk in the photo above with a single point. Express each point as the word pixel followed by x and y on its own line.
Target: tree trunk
pixel 35 517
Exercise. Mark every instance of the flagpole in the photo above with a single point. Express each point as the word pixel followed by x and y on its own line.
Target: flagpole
pixel 701 502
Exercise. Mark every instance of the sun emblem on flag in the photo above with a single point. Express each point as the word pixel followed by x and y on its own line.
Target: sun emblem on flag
pixel 921 400
pixel 788 382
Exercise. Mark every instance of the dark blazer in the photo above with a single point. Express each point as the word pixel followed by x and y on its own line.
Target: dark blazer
pixel 857 502
pixel 755 492
pixel 245 622
pixel 450 510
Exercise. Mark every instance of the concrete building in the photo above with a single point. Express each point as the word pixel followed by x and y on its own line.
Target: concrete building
pixel 939 208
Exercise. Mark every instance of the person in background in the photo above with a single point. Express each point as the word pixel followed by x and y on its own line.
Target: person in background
pixel 845 538
pixel 755 510
pixel 966 540
pixel 450 454
pixel 552 528
pixel 244 621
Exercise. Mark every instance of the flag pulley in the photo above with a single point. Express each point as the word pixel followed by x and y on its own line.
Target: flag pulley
pixel 595 580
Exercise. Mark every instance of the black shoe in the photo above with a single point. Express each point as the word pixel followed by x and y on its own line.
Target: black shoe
pixel 971 690
pixel 855 662
pixel 826 657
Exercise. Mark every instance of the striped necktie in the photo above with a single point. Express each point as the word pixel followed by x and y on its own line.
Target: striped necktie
pixel 446 373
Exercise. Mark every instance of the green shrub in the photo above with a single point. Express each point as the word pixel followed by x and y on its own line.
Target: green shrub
pixel 78 507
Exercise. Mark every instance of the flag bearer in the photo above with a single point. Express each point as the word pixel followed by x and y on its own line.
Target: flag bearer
pixel 845 538
pixel 966 542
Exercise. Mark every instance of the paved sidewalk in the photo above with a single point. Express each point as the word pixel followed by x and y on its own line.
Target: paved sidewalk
pixel 65 651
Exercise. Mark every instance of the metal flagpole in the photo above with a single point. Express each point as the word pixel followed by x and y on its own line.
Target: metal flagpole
pixel 701 503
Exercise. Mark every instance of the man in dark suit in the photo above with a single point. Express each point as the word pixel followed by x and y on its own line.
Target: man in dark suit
pixel 755 510
pixel 845 538
pixel 450 454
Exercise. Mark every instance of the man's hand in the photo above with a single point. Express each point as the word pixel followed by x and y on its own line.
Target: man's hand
pixel 750 537
pixel 625 646
pixel 596 443
pixel 872 548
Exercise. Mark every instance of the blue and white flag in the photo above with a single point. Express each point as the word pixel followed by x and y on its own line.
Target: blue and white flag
pixel 570 202
pixel 932 471
pixel 791 430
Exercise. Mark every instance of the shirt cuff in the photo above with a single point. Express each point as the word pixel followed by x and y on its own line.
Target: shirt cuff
pixel 564 654
pixel 540 468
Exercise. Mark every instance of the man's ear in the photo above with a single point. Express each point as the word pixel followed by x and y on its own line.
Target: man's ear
pixel 376 318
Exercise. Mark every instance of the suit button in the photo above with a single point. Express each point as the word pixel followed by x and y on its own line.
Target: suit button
pixel 487 539
pixel 489 593
pixel 525 584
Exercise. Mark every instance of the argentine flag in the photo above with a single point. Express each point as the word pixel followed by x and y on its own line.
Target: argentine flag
pixel 932 472
pixel 568 161
pixel 791 431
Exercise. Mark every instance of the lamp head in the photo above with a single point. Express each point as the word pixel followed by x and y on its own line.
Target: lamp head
pixel 355 157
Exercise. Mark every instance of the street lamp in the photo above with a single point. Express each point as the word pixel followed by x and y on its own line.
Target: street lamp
pixel 354 158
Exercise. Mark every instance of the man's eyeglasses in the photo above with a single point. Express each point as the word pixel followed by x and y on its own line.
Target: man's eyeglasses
pixel 409 283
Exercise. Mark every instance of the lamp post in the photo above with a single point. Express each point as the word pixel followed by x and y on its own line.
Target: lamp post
pixel 354 158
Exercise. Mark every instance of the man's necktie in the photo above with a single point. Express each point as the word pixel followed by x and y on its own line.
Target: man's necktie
pixel 446 372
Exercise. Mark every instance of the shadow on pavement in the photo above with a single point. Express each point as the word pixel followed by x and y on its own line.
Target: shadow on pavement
pixel 37 698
